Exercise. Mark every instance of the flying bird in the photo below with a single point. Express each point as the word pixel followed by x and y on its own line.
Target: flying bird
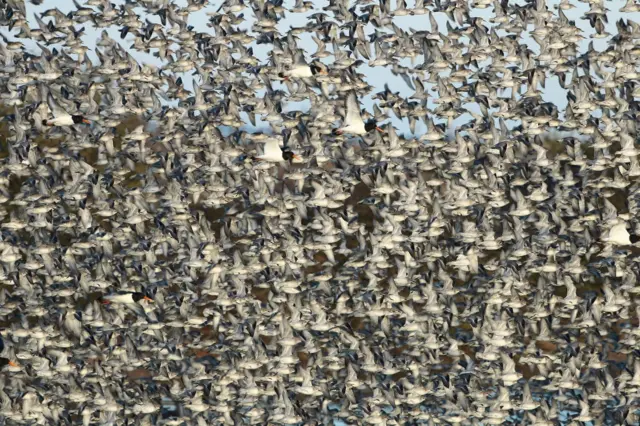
pixel 353 123
pixel 300 69
pixel 62 117
pixel 125 298
pixel 274 153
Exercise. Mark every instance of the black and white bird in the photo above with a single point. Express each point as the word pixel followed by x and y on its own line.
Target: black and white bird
pixel 128 300
pixel 353 123
pixel 274 153
pixel 300 69
pixel 62 117
pixel 125 298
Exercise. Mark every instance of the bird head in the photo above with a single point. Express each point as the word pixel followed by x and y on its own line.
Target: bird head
pixel 77 119
pixel 141 296
pixel 6 361
pixel 371 125
pixel 290 156
pixel 316 69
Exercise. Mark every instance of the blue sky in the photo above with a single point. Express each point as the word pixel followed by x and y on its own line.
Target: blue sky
pixel 377 76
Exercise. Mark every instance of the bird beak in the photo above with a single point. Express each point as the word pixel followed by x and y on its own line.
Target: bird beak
pixel 379 129
pixel 13 364
pixel 85 121
pixel 297 157
pixel 148 299
pixel 106 302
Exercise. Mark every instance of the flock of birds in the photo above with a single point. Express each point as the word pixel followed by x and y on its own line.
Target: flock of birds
pixel 329 268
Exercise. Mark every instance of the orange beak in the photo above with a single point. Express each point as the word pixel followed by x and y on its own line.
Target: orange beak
pixel 85 121
pixel 148 299
pixel 13 364
pixel 297 157
pixel 379 129
pixel 106 302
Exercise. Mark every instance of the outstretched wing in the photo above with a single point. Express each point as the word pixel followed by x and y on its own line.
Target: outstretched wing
pixel 55 108
pixel 272 149
pixel 199 98
pixel 353 110
pixel 298 58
